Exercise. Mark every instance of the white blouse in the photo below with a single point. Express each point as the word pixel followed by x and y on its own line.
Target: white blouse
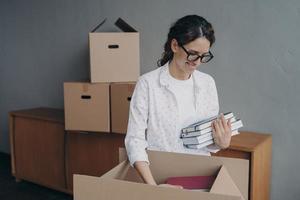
pixel 156 114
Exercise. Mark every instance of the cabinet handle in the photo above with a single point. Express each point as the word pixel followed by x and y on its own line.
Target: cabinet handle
pixel 86 97
pixel 113 46
pixel 128 98
pixel 84 132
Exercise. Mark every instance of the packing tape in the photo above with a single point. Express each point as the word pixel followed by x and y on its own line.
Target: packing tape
pixel 85 87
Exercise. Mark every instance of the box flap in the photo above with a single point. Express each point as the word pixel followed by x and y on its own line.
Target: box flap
pixel 95 188
pixel 118 172
pixel 120 23
pixel 122 154
pixel 224 184
pixel 238 169
pixel 101 23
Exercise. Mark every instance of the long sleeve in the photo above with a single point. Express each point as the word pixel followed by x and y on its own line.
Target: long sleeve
pixel 135 140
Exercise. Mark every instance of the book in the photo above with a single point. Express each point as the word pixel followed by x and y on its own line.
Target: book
pixel 205 137
pixel 205 144
pixel 203 183
pixel 204 123
pixel 199 146
pixel 202 131
pixel 198 140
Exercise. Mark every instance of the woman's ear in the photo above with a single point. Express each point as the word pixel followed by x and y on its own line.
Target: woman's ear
pixel 174 45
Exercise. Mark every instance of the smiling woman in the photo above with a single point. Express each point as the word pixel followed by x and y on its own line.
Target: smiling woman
pixel 174 96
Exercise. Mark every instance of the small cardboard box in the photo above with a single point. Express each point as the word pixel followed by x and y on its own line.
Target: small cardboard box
pixel 122 182
pixel 120 97
pixel 87 106
pixel 115 56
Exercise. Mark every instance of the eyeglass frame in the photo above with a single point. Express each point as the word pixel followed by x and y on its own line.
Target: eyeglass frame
pixel 198 56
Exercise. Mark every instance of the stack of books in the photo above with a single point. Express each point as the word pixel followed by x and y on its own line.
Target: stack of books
pixel 199 135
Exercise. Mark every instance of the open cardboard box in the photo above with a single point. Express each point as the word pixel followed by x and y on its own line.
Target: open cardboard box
pixel 122 182
pixel 115 56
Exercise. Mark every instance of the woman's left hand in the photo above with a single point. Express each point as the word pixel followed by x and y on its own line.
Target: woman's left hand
pixel 222 132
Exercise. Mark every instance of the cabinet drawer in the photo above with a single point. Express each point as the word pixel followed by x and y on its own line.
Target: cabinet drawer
pixel 91 153
pixel 233 154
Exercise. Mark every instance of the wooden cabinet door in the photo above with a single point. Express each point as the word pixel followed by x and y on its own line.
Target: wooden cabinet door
pixel 39 151
pixel 91 153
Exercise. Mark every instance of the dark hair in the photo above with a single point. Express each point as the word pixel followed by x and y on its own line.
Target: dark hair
pixel 185 30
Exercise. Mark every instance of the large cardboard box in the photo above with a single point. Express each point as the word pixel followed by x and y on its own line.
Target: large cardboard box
pixel 122 182
pixel 115 56
pixel 87 106
pixel 120 94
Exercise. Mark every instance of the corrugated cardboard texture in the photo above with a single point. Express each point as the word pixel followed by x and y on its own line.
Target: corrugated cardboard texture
pixel 94 188
pixel 200 165
pixel 87 107
pixel 237 168
pixel 87 187
pixel 114 57
pixel 222 179
pixel 120 101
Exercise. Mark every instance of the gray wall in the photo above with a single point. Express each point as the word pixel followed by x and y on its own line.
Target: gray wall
pixel 43 44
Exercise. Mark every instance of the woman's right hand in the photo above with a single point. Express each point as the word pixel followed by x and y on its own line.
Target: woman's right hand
pixel 222 132
pixel 171 186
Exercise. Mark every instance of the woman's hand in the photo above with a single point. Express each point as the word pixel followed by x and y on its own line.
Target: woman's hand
pixel 222 132
pixel 171 186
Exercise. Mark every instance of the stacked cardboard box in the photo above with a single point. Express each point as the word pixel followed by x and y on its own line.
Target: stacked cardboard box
pixel 102 105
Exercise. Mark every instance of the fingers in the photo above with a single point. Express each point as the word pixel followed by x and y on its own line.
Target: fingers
pixel 171 186
pixel 223 120
pixel 229 124
pixel 226 125
pixel 221 129
pixel 220 122
pixel 216 128
pixel 179 186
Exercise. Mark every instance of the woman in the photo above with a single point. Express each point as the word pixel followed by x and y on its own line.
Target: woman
pixel 174 96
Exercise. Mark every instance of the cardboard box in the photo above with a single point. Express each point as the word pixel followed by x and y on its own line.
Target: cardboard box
pixel 115 56
pixel 120 94
pixel 122 182
pixel 87 106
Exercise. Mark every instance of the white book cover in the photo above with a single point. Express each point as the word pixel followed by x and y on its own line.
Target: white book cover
pixel 197 140
pixel 203 131
pixel 204 123
pixel 200 146
pixel 205 144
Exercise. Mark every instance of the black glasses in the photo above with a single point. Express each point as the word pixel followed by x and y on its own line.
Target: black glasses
pixel 204 58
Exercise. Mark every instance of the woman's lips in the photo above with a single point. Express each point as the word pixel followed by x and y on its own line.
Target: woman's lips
pixel 192 66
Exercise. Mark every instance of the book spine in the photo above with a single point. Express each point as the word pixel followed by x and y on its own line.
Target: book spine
pixel 206 142
pixel 196 140
pixel 204 124
pixel 200 146
pixel 202 131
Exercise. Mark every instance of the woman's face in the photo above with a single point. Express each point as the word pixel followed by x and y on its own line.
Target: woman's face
pixel 198 46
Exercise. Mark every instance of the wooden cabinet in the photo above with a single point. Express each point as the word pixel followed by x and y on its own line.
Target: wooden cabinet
pixel 42 152
pixel 91 153
pixel 257 148
pixel 37 146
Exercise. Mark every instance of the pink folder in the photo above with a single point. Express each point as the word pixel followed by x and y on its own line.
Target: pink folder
pixel 192 182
